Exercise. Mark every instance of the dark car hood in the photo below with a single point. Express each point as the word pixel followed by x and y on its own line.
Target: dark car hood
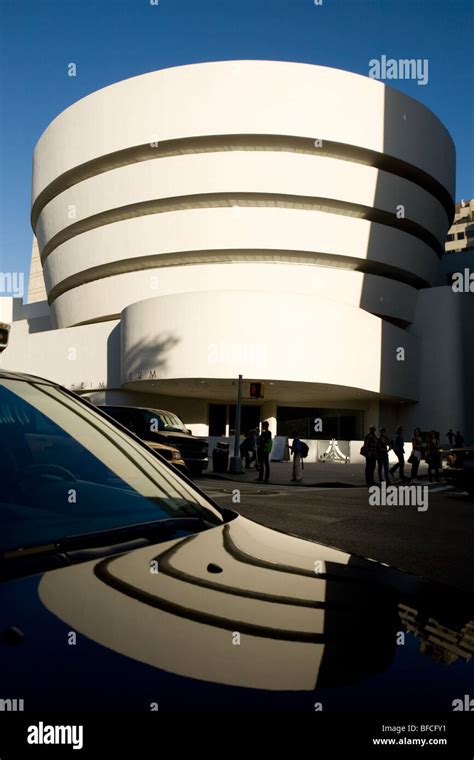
pixel 241 609
pixel 184 441
pixel 305 615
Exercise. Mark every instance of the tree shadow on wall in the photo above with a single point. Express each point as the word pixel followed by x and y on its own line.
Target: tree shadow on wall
pixel 146 359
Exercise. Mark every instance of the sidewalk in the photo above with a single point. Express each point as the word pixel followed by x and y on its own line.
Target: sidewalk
pixel 328 474
pixel 314 474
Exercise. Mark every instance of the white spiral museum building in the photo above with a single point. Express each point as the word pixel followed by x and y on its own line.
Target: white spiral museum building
pixel 282 221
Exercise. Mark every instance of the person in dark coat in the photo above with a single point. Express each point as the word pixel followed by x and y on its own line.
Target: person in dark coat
pixel 295 450
pixel 370 446
pixel 450 436
pixel 432 456
pixel 264 447
pixel 417 453
pixel 399 451
pixel 381 452
pixel 248 447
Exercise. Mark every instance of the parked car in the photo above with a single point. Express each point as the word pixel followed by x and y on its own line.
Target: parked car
pixel 459 469
pixel 123 587
pixel 159 426
pixel 170 453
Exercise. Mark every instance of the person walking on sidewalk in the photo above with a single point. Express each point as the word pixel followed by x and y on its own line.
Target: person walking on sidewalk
pixel 416 454
pixel 382 449
pixel 295 449
pixel 368 451
pixel 432 456
pixel 264 447
pixel 255 433
pixel 399 450
pixel 247 447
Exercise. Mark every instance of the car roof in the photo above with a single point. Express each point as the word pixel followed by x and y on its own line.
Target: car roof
pixel 127 406
pixel 9 375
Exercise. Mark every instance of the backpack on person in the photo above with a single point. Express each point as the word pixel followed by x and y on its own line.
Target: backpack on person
pixel 304 450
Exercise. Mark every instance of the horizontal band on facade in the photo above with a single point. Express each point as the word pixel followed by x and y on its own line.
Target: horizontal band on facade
pixel 97 320
pixel 219 143
pixel 231 200
pixel 188 258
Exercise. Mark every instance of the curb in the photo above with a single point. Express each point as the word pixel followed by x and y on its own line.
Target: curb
pixel 325 484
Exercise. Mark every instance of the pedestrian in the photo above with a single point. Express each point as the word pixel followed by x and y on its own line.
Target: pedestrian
pixel 432 456
pixel 295 449
pixel 256 433
pixel 254 448
pixel 458 440
pixel 450 436
pixel 416 454
pixel 381 451
pixel 264 447
pixel 399 451
pixel 247 447
pixel 368 451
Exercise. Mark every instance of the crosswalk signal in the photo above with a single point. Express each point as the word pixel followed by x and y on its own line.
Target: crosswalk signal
pixel 256 390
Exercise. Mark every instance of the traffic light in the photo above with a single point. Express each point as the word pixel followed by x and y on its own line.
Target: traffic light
pixel 256 390
pixel 4 332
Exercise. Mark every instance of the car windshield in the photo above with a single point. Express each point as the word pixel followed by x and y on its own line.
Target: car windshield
pixel 66 471
pixel 156 421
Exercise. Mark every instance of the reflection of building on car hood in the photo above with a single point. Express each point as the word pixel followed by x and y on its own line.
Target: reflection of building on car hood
pixel 296 630
pixel 440 642
pixel 330 629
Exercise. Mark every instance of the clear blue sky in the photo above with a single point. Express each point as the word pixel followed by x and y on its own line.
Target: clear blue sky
pixel 110 40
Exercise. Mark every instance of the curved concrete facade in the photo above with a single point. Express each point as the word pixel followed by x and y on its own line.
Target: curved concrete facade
pixel 244 161
pixel 376 294
pixel 262 98
pixel 192 348
pixel 294 209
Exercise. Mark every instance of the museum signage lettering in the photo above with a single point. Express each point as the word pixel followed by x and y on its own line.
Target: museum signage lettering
pixel 86 385
pixel 142 375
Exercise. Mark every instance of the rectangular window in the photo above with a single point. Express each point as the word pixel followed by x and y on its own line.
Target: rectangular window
pixel 342 424
pixel 249 418
pixel 217 419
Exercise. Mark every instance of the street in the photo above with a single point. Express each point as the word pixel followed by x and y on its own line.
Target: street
pixel 437 543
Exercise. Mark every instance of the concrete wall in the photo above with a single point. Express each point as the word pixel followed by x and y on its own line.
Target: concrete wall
pixel 36 287
pixel 445 325
pixel 81 358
